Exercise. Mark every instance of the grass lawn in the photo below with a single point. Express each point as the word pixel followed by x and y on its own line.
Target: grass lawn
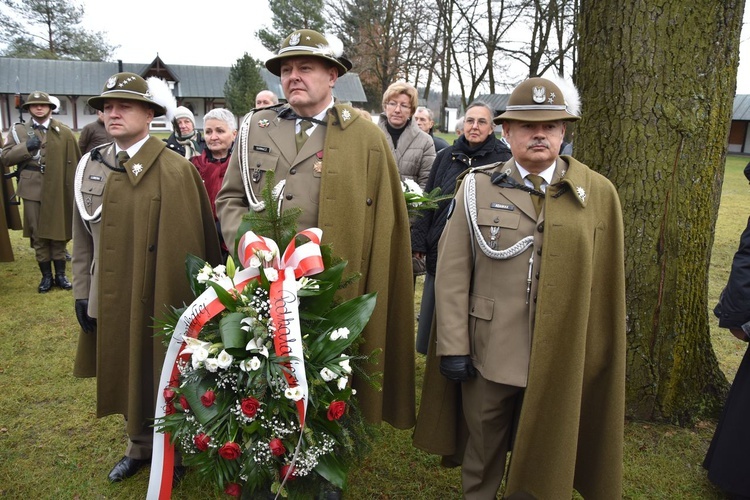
pixel 52 446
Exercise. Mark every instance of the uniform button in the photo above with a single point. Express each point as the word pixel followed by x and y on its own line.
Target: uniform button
pixel 534 299
pixel 537 275
pixel 258 164
pixel 293 171
pixel 539 252
pixel 369 202
pixel 496 220
pixel 540 227
pixel 152 248
pixel 289 197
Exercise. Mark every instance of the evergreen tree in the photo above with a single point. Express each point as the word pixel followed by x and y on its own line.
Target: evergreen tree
pixel 290 15
pixel 49 29
pixel 244 82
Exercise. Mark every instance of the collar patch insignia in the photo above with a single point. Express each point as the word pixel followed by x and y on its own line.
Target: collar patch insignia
pixel 581 193
pixel 346 115
pixel 137 169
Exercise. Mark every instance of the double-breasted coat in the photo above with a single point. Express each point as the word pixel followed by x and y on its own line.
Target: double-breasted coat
pixel 59 155
pixel 356 199
pixel 130 264
pixel 567 347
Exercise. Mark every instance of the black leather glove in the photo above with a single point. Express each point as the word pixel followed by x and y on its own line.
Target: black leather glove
pixel 88 324
pixel 33 143
pixel 457 368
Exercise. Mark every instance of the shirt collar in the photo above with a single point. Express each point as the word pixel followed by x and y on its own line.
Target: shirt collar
pixel 546 174
pixel 132 150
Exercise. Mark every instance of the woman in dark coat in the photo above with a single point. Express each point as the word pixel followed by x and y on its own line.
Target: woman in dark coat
pixel 477 146
pixel 728 457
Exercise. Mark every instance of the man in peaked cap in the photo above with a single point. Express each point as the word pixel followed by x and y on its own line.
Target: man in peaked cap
pixel 336 167
pixel 528 347
pixel 46 153
pixel 139 256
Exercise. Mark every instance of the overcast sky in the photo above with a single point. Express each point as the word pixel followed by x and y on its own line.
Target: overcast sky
pixel 210 33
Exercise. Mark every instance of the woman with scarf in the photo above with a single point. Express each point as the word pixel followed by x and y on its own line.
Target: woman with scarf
pixel 185 140
pixel 220 130
pixel 475 147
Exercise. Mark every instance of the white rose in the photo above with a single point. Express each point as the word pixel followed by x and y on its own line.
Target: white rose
pixel 254 363
pixel 212 364
pixel 245 365
pixel 341 383
pixel 271 274
pixel 254 262
pixel 293 393
pixel 224 359
pixel 327 374
pixel 200 353
pixel 344 364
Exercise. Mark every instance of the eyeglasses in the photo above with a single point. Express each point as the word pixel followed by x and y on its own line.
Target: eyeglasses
pixel 394 105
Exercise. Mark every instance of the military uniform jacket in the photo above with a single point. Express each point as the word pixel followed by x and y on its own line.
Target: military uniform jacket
pixel 570 429
pixel 131 266
pixel 59 155
pixel 356 199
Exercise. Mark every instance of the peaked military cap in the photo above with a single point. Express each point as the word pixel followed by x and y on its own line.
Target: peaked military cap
pixel 310 43
pixel 39 97
pixel 537 100
pixel 128 86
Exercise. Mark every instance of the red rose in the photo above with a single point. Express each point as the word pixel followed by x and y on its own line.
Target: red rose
pixel 250 407
pixel 208 398
pixel 184 403
pixel 277 447
pixel 201 441
pixel 170 409
pixel 169 394
pixel 230 451
pixel 336 410
pixel 233 489
pixel 287 469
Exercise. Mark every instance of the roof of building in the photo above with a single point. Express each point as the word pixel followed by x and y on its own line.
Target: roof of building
pixel 84 78
pixel 741 109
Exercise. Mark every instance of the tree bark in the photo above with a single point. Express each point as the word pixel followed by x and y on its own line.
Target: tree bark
pixel 657 79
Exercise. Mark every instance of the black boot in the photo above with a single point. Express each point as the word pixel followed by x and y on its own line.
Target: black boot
pixel 46 283
pixel 60 279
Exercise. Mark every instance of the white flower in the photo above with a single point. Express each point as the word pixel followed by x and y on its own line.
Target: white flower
pixel 354 391
pixel 344 364
pixel 251 364
pixel 200 353
pixel 249 322
pixel 341 383
pixel 253 346
pixel 254 262
pixel 212 364
pixel 220 270
pixel 341 333
pixel 409 186
pixel 293 393
pixel 271 274
pixel 268 256
pixel 254 363
pixel 196 363
pixel 224 359
pixel 327 374
pixel 202 276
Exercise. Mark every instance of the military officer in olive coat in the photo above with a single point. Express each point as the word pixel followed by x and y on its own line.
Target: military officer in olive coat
pixel 46 154
pixel 337 167
pixel 140 209
pixel 530 318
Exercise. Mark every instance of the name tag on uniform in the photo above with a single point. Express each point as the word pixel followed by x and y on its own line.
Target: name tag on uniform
pixel 262 149
pixel 97 178
pixel 502 206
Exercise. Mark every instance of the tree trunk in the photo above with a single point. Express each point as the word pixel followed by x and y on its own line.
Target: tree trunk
pixel 657 79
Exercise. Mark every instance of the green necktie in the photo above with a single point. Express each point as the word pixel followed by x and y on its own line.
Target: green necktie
pixel 301 136
pixel 538 201
pixel 122 157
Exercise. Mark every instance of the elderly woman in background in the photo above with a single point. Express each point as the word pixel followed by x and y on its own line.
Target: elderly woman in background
pixel 219 131
pixel 475 147
pixel 413 149
pixel 426 123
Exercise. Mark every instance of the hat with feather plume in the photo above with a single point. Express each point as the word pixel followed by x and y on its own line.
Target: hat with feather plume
pixel 310 43
pixel 128 86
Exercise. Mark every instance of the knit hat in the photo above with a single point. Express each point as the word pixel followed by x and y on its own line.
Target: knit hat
pixel 183 112
pixel 310 43
pixel 128 86
pixel 39 97
pixel 537 100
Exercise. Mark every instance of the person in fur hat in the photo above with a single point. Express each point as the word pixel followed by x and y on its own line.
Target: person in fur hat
pixel 527 350
pixel 131 235
pixel 186 140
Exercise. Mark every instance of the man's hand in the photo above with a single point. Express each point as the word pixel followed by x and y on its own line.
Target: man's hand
pixel 33 143
pixel 88 324
pixel 457 368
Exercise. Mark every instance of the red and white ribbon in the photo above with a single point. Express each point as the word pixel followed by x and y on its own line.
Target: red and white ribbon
pixel 296 262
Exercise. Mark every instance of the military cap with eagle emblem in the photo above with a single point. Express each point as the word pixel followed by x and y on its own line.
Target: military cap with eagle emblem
pixel 131 87
pixel 310 43
pixel 39 97
pixel 540 100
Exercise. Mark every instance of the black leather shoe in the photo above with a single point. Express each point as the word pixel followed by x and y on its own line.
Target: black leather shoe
pixel 126 468
pixel 46 283
pixel 60 279
pixel 178 474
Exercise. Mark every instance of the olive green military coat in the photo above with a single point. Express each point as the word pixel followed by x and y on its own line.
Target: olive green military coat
pixel 570 429
pixel 361 210
pixel 149 223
